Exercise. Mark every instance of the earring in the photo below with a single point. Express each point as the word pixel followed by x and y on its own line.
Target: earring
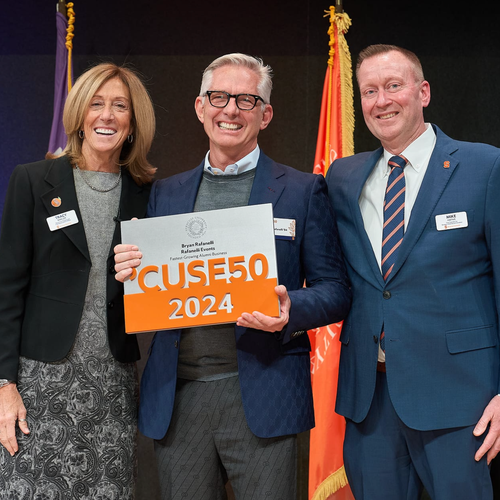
pixel 130 138
pixel 81 134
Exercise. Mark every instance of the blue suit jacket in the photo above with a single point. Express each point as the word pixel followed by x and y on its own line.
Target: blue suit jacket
pixel 439 306
pixel 274 369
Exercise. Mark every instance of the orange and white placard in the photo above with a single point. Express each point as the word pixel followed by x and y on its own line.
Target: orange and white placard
pixel 201 268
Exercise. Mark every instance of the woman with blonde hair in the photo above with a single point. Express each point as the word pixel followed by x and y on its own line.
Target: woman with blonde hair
pixel 68 382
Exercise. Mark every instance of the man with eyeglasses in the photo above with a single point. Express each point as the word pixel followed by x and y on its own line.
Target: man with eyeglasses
pixel 227 401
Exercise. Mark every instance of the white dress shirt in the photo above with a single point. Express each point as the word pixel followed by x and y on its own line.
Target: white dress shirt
pixel 371 201
pixel 247 163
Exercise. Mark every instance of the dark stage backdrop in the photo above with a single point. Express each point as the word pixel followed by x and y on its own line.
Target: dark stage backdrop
pixel 171 42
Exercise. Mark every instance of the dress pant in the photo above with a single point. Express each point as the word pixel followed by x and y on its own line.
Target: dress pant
pixel 209 440
pixel 386 460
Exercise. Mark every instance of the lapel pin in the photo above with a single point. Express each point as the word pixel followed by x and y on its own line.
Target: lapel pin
pixel 446 164
pixel 56 202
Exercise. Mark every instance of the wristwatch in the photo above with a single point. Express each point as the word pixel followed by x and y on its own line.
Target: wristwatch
pixel 4 382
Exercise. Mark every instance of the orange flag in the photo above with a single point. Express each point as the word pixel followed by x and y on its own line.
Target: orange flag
pixel 327 478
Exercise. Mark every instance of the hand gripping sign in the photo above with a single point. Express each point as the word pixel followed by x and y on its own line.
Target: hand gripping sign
pixel 201 268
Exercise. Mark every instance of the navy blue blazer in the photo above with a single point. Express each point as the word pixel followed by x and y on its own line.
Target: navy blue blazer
pixel 439 306
pixel 274 369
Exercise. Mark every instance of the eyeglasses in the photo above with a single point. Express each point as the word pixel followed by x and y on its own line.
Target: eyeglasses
pixel 220 99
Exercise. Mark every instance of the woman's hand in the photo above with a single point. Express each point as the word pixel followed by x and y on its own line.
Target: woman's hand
pixel 11 410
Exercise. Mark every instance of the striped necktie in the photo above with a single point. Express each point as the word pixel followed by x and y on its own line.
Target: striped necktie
pixel 394 214
pixel 394 219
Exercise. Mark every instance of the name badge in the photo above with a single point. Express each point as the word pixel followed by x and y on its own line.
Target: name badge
pixel 62 220
pixel 451 221
pixel 284 229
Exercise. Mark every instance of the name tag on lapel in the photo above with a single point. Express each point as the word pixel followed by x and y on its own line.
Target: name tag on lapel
pixel 284 229
pixel 62 220
pixel 455 220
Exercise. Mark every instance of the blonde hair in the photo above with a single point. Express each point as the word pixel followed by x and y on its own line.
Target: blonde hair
pixel 377 49
pixel 133 155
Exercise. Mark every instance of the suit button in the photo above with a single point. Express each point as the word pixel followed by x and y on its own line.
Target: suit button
pixel 112 269
pixel 386 295
pixel 111 305
pixel 375 339
pixel 176 344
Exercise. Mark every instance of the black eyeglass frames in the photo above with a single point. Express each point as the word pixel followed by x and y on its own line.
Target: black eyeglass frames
pixel 220 99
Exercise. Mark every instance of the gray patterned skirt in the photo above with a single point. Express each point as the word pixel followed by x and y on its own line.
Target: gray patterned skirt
pixel 82 414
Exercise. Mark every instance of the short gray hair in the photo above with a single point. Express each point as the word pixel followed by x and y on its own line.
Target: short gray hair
pixel 254 64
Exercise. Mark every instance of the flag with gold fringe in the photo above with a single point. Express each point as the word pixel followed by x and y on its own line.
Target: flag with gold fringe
pixel 327 478
pixel 63 81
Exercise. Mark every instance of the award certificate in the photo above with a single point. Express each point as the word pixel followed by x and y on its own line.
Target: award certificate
pixel 201 268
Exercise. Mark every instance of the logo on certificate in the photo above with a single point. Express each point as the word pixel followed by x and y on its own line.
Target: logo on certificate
pixel 196 227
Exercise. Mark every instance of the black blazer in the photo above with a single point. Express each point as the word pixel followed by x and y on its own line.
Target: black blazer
pixel 44 274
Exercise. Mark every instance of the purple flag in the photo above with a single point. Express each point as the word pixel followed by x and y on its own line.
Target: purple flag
pixel 58 137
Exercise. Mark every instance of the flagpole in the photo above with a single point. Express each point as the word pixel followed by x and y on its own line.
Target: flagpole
pixel 61 8
pixel 339 9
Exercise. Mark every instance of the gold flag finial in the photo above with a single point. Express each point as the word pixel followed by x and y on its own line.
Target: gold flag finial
pixel 331 32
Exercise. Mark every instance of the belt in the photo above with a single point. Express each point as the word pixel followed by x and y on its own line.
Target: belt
pixel 380 367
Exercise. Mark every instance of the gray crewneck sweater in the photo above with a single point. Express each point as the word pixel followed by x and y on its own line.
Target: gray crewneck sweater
pixel 209 352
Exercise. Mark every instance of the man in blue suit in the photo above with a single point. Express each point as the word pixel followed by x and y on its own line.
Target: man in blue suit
pixel 419 369
pixel 228 400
